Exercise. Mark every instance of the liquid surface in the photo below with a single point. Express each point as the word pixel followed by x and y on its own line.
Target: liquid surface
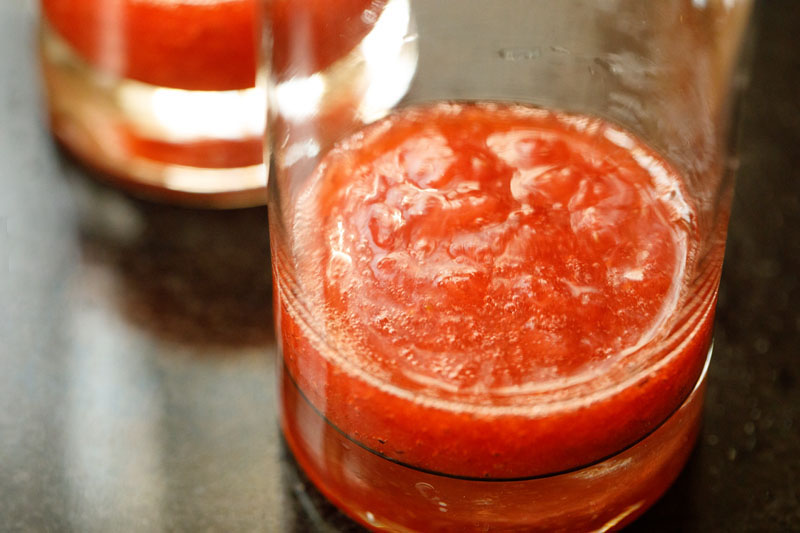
pixel 491 250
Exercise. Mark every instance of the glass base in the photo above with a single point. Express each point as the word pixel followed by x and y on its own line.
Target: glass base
pixel 385 496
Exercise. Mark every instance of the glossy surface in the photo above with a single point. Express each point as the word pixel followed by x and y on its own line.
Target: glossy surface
pixel 138 361
pixel 493 220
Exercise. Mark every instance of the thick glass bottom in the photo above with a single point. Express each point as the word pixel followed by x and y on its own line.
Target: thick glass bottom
pixel 386 496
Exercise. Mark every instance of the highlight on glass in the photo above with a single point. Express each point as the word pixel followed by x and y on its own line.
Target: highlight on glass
pixel 495 286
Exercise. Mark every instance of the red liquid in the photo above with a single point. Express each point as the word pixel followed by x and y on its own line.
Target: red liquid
pixel 495 293
pixel 203 45
pixel 180 44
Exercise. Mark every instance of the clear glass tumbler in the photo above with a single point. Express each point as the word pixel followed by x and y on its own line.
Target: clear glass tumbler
pixel 494 298
pixel 162 97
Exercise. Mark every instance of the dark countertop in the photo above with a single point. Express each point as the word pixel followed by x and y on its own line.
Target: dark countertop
pixel 137 352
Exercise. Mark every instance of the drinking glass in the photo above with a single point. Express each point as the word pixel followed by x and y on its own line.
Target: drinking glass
pixel 163 96
pixel 495 286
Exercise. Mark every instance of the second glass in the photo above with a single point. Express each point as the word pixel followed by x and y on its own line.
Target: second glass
pixel 495 299
pixel 162 97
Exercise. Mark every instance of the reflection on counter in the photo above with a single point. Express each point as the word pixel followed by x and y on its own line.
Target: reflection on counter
pixel 188 276
pixel 168 368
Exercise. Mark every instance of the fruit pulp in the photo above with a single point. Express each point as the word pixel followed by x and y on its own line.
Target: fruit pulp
pixel 489 294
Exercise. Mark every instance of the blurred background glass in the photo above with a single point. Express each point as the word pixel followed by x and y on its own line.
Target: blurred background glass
pixel 162 97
